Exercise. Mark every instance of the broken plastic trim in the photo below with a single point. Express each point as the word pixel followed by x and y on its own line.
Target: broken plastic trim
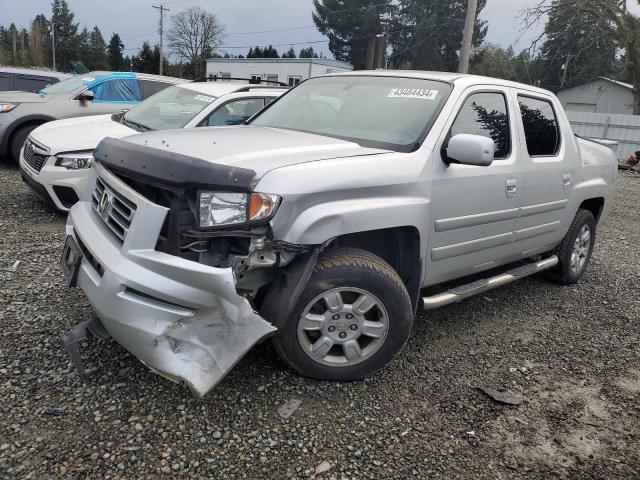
pixel 200 350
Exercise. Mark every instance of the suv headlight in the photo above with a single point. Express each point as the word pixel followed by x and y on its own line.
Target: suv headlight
pixel 229 208
pixel 7 107
pixel 74 160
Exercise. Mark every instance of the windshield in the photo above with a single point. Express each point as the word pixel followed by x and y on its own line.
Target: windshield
pixel 68 86
pixel 171 108
pixel 389 112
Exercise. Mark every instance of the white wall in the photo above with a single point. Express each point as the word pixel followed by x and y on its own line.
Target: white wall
pixel 623 129
pixel 283 70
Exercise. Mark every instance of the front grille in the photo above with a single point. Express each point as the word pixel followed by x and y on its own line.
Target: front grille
pixel 114 210
pixel 34 156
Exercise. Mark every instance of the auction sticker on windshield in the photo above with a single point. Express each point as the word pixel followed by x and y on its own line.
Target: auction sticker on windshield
pixel 419 93
pixel 204 98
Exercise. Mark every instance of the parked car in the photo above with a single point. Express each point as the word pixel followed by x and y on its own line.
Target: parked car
pixel 91 94
pixel 28 80
pixel 56 156
pixel 330 214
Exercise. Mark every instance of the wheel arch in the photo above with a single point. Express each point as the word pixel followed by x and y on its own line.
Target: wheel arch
pixel 595 205
pixel 398 246
pixel 16 125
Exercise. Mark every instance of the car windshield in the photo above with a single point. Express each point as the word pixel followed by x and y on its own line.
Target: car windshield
pixel 388 112
pixel 68 86
pixel 171 108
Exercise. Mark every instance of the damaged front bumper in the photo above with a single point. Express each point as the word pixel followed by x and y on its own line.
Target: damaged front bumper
pixel 182 319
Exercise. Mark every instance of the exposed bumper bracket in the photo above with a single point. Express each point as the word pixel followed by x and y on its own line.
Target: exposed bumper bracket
pixel 72 338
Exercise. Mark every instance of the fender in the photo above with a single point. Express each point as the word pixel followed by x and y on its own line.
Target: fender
pixel 324 221
pixel 4 142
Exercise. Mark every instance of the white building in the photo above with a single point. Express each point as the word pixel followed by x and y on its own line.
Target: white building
pixel 601 95
pixel 287 70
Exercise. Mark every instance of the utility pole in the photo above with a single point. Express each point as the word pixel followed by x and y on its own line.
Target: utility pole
pixel 467 37
pixel 53 43
pixel 565 67
pixel 382 40
pixel 15 51
pixel 161 9
pixel 371 52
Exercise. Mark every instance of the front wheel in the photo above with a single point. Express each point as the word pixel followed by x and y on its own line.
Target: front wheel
pixel 352 318
pixel 18 139
pixel 574 252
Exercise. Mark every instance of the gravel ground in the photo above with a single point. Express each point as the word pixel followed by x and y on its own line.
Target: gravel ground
pixel 571 352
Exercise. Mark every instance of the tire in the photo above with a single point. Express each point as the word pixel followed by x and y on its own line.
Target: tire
pixel 568 272
pixel 356 275
pixel 18 139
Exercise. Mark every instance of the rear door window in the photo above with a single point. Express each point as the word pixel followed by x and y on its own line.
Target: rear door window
pixel 485 114
pixel 117 90
pixel 235 112
pixel 31 83
pixel 150 87
pixel 540 126
pixel 5 82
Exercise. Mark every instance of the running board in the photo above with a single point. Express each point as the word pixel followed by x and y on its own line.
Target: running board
pixel 474 288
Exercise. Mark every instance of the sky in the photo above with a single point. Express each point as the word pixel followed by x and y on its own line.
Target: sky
pixel 246 22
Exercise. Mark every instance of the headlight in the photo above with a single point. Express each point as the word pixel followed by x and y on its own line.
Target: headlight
pixel 226 208
pixel 74 160
pixel 7 107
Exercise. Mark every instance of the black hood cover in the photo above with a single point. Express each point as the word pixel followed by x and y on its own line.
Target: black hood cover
pixel 169 168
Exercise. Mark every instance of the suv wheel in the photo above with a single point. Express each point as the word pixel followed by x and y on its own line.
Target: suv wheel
pixel 574 252
pixel 353 317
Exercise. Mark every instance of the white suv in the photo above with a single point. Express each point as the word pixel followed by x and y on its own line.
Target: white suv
pixel 55 158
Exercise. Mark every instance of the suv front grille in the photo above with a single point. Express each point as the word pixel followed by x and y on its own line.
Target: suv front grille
pixel 34 156
pixel 114 210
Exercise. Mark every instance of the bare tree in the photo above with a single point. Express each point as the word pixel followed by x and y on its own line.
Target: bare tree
pixel 194 35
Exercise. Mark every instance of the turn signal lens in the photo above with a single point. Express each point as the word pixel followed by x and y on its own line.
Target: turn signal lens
pixel 262 205
pixel 7 107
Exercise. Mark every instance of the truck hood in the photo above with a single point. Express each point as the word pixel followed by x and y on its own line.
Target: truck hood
pixel 77 134
pixel 260 149
pixel 24 97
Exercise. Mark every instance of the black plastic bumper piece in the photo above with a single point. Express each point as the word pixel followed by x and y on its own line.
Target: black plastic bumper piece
pixel 38 189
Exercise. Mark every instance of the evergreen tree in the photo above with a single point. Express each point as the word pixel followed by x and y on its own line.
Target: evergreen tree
pixel 580 39
pixel 427 34
pixel 148 59
pixel 68 42
pixel 291 53
pixel 115 49
pixel 270 52
pixel 97 58
pixel 494 61
pixel 37 41
pixel 255 53
pixel 349 24
pixel 308 53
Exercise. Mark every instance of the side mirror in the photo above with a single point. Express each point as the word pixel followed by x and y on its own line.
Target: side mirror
pixel 86 96
pixel 471 149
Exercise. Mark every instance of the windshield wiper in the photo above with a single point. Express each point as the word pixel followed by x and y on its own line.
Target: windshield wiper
pixel 135 124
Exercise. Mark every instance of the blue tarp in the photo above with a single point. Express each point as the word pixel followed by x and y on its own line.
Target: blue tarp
pixel 116 88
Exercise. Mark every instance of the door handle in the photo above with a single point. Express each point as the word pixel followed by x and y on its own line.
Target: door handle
pixel 511 187
pixel 566 180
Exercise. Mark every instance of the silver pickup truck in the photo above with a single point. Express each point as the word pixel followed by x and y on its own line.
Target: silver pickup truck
pixel 332 217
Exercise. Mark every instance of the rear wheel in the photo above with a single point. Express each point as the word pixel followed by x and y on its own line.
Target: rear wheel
pixel 574 252
pixel 353 317
pixel 18 139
